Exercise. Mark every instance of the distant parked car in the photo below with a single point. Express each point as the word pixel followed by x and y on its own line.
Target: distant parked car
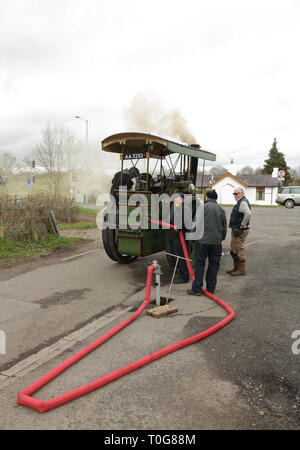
pixel 289 196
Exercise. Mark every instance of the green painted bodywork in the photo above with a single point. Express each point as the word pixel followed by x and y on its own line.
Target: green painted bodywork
pixel 134 240
pixel 141 243
pixel 189 151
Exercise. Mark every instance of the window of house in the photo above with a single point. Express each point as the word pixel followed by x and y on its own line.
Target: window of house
pixel 260 193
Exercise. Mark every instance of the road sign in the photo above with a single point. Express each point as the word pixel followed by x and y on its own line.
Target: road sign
pixel 281 173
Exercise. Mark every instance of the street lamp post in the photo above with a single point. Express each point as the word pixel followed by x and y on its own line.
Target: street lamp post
pixel 86 142
pixel 86 128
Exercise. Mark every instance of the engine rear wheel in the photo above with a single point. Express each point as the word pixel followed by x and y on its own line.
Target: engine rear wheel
pixel 110 245
pixel 107 248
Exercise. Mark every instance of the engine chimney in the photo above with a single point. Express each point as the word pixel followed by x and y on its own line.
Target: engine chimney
pixel 194 164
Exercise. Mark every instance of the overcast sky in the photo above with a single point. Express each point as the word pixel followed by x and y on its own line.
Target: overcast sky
pixel 230 67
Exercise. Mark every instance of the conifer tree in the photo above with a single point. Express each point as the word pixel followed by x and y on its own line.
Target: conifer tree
pixel 277 159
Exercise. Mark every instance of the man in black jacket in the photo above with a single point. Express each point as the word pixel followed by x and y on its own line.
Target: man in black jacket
pixel 127 175
pixel 183 275
pixel 210 245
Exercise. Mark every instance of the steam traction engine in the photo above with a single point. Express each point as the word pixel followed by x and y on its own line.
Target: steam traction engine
pixel 125 234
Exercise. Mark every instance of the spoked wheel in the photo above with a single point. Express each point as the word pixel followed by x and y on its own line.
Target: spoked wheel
pixel 110 244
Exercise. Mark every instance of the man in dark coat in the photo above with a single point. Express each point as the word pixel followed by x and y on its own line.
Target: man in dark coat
pixel 210 245
pixel 127 176
pixel 183 275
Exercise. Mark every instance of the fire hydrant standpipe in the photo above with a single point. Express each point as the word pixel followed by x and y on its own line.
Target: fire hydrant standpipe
pixel 24 396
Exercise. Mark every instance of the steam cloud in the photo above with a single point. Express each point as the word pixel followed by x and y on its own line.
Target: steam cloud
pixel 149 113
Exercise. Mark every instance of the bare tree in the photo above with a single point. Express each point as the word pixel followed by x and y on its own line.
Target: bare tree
pixel 55 157
pixel 295 174
pixel 258 171
pixel 247 170
pixel 24 164
pixel 8 162
pixel 218 171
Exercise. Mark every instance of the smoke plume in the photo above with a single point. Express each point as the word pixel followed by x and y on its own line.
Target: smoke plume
pixel 149 113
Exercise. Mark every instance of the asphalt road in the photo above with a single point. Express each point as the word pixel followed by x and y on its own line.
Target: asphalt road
pixel 245 376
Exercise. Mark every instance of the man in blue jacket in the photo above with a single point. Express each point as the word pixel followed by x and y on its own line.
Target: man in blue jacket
pixel 239 224
pixel 210 245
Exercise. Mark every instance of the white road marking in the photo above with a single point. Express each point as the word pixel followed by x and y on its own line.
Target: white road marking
pixel 46 354
pixel 80 254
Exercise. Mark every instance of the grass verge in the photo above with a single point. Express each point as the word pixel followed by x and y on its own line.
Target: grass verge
pixel 77 226
pixel 10 251
pixel 86 211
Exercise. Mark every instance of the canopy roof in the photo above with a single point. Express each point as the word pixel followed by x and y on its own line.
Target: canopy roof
pixel 159 147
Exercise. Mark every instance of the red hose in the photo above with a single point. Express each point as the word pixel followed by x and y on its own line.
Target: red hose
pixel 24 396
pixel 185 251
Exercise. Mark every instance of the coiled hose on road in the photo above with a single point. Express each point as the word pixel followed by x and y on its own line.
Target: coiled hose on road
pixel 24 396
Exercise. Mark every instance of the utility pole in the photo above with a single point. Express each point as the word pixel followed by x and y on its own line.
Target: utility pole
pixel 86 129
pixel 86 142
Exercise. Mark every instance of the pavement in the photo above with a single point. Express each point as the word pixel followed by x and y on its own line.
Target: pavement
pixel 245 376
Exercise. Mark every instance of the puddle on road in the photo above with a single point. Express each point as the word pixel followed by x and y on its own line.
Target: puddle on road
pixel 62 298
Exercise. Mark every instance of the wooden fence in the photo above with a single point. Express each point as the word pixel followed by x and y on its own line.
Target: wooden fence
pixel 28 218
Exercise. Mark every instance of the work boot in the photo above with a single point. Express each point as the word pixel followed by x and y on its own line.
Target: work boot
pixel 235 267
pixel 180 281
pixel 191 292
pixel 240 269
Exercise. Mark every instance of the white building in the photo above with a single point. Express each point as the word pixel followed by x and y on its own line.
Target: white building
pixel 259 189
